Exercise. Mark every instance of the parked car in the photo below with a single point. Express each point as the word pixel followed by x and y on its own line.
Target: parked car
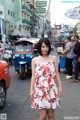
pixel 4 82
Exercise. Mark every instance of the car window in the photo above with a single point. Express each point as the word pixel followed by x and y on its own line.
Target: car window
pixel 22 48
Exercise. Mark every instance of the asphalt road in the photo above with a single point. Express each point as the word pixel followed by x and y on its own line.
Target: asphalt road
pixel 18 104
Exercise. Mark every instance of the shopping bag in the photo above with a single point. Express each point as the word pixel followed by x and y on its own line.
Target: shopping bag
pixel 59 50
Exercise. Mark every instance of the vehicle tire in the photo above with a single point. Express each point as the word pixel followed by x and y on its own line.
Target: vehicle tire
pixel 2 95
pixel 59 67
pixel 22 73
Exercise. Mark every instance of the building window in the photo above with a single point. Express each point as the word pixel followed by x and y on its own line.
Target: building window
pixel 1 12
pixel 13 15
pixel 0 22
pixel 8 12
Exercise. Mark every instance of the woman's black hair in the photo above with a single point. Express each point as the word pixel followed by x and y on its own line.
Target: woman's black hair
pixel 69 38
pixel 46 42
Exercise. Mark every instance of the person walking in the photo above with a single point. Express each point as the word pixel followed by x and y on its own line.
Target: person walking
pixel 46 86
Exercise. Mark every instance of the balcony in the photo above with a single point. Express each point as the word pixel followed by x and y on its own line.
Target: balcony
pixel 24 21
pixel 30 24
pixel 24 7
pixel 27 22
pixel 28 10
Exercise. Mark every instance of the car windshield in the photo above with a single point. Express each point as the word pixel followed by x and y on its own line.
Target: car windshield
pixel 27 48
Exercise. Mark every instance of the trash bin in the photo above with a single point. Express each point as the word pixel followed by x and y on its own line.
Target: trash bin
pixel 61 63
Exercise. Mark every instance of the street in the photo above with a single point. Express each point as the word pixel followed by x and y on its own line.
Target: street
pixel 22 24
pixel 18 104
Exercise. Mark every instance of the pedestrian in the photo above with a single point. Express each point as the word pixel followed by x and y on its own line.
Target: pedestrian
pixel 69 57
pixel 46 87
pixel 76 51
pixel 74 55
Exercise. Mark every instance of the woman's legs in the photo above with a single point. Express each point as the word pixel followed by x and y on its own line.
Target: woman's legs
pixel 51 115
pixel 43 114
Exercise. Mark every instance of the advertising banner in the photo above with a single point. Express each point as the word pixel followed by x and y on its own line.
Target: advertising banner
pixel 70 1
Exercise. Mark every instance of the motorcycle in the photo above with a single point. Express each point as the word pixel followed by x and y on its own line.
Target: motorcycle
pixel 23 54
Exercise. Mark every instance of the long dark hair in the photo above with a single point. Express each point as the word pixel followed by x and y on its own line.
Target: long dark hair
pixel 46 41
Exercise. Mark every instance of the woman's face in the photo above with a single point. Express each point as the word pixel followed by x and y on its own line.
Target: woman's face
pixel 44 49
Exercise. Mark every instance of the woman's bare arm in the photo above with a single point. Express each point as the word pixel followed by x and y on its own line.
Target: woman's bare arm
pixel 58 76
pixel 32 78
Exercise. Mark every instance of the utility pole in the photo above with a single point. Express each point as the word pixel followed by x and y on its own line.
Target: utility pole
pixel 44 18
pixel 33 29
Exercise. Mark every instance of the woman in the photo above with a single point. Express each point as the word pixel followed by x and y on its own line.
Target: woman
pixel 45 78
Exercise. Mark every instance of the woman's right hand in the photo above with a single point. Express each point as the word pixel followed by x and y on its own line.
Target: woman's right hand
pixel 31 94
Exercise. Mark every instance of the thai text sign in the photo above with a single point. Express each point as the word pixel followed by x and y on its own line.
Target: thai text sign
pixel 41 10
pixel 41 3
pixel 70 1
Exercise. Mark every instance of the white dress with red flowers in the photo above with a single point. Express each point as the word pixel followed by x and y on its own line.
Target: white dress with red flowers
pixel 45 88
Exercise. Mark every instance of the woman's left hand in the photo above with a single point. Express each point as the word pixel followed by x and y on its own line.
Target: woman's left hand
pixel 60 91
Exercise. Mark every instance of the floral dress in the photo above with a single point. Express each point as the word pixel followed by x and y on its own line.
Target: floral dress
pixel 45 88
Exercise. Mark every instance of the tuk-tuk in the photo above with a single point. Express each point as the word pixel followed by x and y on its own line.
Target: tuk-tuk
pixel 24 51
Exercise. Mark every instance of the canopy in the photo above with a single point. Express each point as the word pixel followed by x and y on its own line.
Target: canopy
pixel 29 40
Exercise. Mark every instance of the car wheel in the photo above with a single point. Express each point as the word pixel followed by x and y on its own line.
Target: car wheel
pixel 2 95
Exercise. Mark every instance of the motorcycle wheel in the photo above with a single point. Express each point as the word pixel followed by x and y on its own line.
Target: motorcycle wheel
pixel 22 73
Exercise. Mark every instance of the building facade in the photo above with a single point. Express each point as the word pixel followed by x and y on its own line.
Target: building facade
pixel 19 18
pixel 2 18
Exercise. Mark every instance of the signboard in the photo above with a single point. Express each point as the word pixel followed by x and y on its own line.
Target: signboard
pixel 70 1
pixel 40 10
pixel 73 13
pixel 41 7
pixel 41 3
